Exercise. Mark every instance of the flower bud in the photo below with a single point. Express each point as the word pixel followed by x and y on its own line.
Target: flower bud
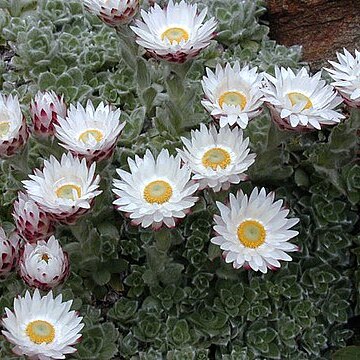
pixel 45 109
pixel 44 265
pixel 9 250
pixel 32 223
pixel 113 12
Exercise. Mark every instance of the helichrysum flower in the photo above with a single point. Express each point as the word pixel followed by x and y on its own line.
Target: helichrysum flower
pixel 175 33
pixel 155 191
pixel 300 100
pixel 66 189
pixel 254 231
pixel 44 265
pixel 232 94
pixel 217 158
pixel 45 109
pixel 9 250
pixel 31 222
pixel 346 74
pixel 42 327
pixel 113 12
pixel 88 132
pixel 13 130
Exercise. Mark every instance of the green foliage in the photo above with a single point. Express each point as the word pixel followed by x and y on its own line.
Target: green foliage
pixel 168 294
pixel 99 340
pixel 348 353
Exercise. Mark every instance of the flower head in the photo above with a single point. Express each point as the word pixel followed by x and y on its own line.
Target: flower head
pixel 346 74
pixel 66 189
pixel 32 223
pixel 217 158
pixel 300 100
pixel 13 130
pixel 9 250
pixel 232 94
pixel 42 327
pixel 155 191
pixel 44 265
pixel 254 231
pixel 45 109
pixel 88 132
pixel 113 12
pixel 175 33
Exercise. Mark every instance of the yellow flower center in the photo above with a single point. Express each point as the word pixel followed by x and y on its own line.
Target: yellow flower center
pixel 296 98
pixel 88 136
pixel 216 157
pixel 234 98
pixel 68 191
pixel 158 192
pixel 251 233
pixel 45 257
pixel 40 331
pixel 175 34
pixel 4 128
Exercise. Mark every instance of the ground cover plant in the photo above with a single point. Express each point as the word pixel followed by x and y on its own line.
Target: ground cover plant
pixel 169 291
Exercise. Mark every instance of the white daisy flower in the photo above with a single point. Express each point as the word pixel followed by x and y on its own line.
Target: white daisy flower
pixel 9 250
pixel 176 33
pixel 31 222
pixel 155 191
pixel 300 100
pixel 113 12
pixel 13 130
pixel 232 94
pixel 88 132
pixel 217 158
pixel 44 264
pixel 254 231
pixel 66 189
pixel 42 328
pixel 45 109
pixel 346 74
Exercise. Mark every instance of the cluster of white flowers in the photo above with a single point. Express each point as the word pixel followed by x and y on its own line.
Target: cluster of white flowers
pixel 252 230
pixel 39 327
